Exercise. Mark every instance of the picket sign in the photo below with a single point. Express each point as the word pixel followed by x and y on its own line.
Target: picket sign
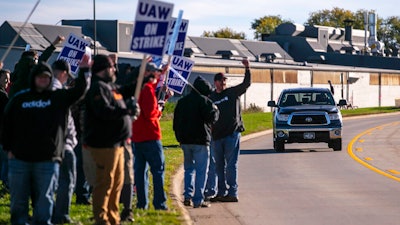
pixel 73 50
pixel 179 73
pixel 150 31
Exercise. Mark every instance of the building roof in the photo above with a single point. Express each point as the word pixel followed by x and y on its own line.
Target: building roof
pixel 258 48
pixel 210 46
pixel 30 35
pixel 50 32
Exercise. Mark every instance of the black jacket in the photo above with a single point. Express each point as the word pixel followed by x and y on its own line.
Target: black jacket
pixel 194 114
pixel 107 122
pixel 20 75
pixel 35 122
pixel 228 102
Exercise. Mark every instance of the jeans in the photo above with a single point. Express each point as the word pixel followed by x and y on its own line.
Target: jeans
pixel 25 178
pixel 211 185
pixel 195 163
pixel 149 153
pixel 82 188
pixel 108 184
pixel 226 152
pixel 3 167
pixel 66 185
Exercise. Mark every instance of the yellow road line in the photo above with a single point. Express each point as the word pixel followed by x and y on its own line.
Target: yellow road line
pixel 393 171
pixel 369 166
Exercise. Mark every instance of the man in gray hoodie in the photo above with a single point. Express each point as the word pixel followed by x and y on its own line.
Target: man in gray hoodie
pixel 67 176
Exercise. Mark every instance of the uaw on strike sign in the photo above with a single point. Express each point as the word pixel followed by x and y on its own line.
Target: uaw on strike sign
pixel 151 26
pixel 73 51
pixel 181 67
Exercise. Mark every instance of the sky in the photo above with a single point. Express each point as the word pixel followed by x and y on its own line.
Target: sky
pixel 203 15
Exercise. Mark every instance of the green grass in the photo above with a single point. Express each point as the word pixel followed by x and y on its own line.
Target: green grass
pixel 254 122
pixel 366 111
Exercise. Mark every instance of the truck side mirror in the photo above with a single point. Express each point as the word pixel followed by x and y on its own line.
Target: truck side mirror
pixel 272 104
pixel 342 102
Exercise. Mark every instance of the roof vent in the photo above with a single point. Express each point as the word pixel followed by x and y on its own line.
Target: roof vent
pixel 227 54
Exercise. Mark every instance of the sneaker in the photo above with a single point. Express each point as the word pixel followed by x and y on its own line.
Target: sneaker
pixel 83 201
pixel 187 202
pixel 127 216
pixel 217 199
pixel 202 205
pixel 229 199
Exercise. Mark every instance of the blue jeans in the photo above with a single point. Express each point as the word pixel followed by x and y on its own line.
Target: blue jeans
pixel 82 188
pixel 149 153
pixel 38 179
pixel 196 158
pixel 66 185
pixel 226 152
pixel 211 185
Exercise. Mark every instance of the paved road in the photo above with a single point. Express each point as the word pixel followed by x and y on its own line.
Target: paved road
pixel 311 184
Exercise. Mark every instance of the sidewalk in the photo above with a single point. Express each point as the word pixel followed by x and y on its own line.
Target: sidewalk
pixel 217 209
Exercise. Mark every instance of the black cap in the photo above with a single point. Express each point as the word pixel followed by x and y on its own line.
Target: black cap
pixel 62 65
pixel 150 66
pixel 220 76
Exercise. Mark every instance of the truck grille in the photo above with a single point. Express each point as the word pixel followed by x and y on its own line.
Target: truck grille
pixel 308 119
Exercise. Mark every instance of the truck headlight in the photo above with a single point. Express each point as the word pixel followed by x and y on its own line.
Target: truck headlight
pixel 334 116
pixel 282 117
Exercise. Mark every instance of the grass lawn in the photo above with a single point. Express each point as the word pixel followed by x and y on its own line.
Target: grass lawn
pixel 254 122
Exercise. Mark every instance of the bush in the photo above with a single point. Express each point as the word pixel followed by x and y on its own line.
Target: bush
pixel 253 108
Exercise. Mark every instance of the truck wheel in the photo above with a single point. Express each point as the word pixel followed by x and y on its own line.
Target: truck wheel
pixel 336 144
pixel 279 146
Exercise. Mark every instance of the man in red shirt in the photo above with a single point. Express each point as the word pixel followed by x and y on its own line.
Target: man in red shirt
pixel 146 143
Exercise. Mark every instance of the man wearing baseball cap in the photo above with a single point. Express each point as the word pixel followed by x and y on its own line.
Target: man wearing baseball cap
pixel 226 135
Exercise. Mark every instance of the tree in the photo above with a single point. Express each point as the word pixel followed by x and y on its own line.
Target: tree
pixel 266 25
pixel 389 32
pixel 224 33
pixel 331 18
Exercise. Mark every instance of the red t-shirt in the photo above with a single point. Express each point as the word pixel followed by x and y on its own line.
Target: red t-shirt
pixel 147 126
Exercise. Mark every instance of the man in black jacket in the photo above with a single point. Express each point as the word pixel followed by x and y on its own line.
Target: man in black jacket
pixel 33 136
pixel 20 75
pixel 193 116
pixel 107 126
pixel 226 134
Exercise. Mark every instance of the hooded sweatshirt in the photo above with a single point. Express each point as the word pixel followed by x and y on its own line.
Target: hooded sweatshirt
pixel 194 114
pixel 35 122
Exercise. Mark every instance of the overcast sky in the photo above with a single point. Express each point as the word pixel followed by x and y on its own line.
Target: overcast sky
pixel 203 15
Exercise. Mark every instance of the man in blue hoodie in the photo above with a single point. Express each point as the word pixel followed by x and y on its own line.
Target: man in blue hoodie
pixel 39 116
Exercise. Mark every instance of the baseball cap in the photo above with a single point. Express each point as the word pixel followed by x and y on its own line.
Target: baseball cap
pixel 220 76
pixel 150 66
pixel 63 66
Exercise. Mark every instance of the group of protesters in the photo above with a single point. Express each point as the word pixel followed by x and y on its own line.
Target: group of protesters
pixel 62 133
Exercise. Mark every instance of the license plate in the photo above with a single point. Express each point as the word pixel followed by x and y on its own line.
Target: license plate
pixel 309 135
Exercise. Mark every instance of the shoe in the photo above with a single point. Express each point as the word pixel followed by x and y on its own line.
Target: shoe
pixel 64 221
pixel 127 216
pixel 187 202
pixel 203 204
pixel 217 199
pixel 83 201
pixel 229 199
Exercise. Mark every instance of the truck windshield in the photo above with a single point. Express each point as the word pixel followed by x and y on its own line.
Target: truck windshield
pixel 306 98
